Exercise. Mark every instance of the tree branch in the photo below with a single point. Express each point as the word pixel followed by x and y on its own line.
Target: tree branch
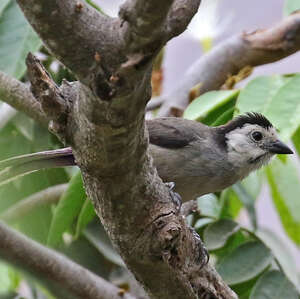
pixel 49 265
pixel 45 197
pixel 105 127
pixel 18 95
pixel 180 15
pixel 228 58
pixel 65 28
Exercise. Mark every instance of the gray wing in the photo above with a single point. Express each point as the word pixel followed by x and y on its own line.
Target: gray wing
pixel 172 132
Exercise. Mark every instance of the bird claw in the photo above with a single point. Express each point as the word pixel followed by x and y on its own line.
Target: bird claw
pixel 176 198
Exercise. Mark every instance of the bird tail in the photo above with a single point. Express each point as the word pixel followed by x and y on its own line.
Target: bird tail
pixel 21 165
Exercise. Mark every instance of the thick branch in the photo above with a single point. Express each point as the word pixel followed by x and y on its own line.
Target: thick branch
pixel 212 70
pixel 180 15
pixel 106 129
pixel 149 24
pixel 18 95
pixel 54 267
pixel 72 30
pixel 144 21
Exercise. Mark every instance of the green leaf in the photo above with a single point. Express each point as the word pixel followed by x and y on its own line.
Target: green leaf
pixel 98 237
pixel 17 38
pixel 247 200
pixel 67 210
pixel 209 206
pixel 285 189
pixel 296 141
pixel 281 252
pixel 258 94
pixel 231 205
pixel 211 105
pixel 273 284
pixel 217 234
pixel 9 279
pixel 245 262
pixel 202 222
pixel 290 6
pixel 277 97
pixel 86 215
pixel 3 4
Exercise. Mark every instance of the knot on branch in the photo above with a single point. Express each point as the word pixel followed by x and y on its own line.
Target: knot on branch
pixel 49 96
pixel 182 250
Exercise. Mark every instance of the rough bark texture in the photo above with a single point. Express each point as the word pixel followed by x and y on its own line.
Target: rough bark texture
pixel 212 70
pixel 105 127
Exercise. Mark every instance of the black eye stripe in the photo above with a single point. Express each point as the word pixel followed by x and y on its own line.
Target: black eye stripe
pixel 257 136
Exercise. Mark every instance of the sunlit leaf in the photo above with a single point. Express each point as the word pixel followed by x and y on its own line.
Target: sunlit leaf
pixel 277 97
pixel 17 38
pixel 285 189
pixel 245 262
pixel 273 284
pixel 210 106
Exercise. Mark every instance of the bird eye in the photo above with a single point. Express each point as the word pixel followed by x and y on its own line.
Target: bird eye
pixel 257 136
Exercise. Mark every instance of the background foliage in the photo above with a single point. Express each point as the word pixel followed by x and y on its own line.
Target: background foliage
pixel 254 262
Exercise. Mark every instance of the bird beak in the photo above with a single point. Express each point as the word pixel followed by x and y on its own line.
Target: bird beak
pixel 278 147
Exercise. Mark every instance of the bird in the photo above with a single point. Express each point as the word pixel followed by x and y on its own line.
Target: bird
pixel 192 158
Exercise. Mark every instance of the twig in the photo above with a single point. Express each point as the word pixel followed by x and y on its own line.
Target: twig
pixel 52 266
pixel 18 95
pixel 228 58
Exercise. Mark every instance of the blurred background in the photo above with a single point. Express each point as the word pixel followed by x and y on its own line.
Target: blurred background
pixel 50 206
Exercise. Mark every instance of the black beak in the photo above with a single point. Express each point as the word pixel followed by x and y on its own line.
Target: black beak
pixel 279 147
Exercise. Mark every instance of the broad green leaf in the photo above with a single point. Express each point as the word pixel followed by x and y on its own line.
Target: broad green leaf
pixel 17 38
pixel 284 112
pixel 67 210
pixel 98 237
pixel 245 262
pixel 277 97
pixel 3 4
pixel 281 252
pixel 285 189
pixel 86 215
pixel 273 284
pixel 200 223
pixel 290 6
pixel 211 105
pixel 217 234
pixel 209 206
pixel 13 143
pixel 233 242
pixel 224 117
pixel 258 94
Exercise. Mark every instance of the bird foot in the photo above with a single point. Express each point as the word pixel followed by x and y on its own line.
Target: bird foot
pixel 202 249
pixel 176 198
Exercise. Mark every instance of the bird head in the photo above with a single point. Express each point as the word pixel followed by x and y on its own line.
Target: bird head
pixel 251 141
